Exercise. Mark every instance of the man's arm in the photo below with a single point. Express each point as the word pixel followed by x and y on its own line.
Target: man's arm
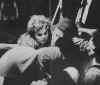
pixel 6 46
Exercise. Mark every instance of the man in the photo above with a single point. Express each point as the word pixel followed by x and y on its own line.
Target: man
pixel 88 17
pixel 75 57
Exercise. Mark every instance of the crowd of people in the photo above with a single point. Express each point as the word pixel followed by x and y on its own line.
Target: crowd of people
pixel 66 53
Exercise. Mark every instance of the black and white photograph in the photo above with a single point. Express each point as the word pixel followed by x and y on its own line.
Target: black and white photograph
pixel 49 42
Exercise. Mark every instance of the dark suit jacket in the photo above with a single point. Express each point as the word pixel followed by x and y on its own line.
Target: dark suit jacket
pixel 93 18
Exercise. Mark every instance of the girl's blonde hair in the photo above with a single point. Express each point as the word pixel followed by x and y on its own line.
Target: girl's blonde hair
pixel 36 22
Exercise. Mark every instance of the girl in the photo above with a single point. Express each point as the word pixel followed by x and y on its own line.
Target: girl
pixel 31 46
pixel 38 33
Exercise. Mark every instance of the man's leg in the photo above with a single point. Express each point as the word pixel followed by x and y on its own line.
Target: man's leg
pixel 73 73
pixel 61 78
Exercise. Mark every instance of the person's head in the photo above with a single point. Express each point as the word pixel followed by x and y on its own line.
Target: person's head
pixel 39 29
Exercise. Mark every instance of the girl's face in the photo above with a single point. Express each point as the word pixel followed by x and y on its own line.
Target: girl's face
pixel 42 36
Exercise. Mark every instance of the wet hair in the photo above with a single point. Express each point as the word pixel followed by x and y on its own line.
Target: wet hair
pixel 37 23
pixel 37 20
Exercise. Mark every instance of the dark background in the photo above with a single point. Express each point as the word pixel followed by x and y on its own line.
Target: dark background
pixel 27 8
